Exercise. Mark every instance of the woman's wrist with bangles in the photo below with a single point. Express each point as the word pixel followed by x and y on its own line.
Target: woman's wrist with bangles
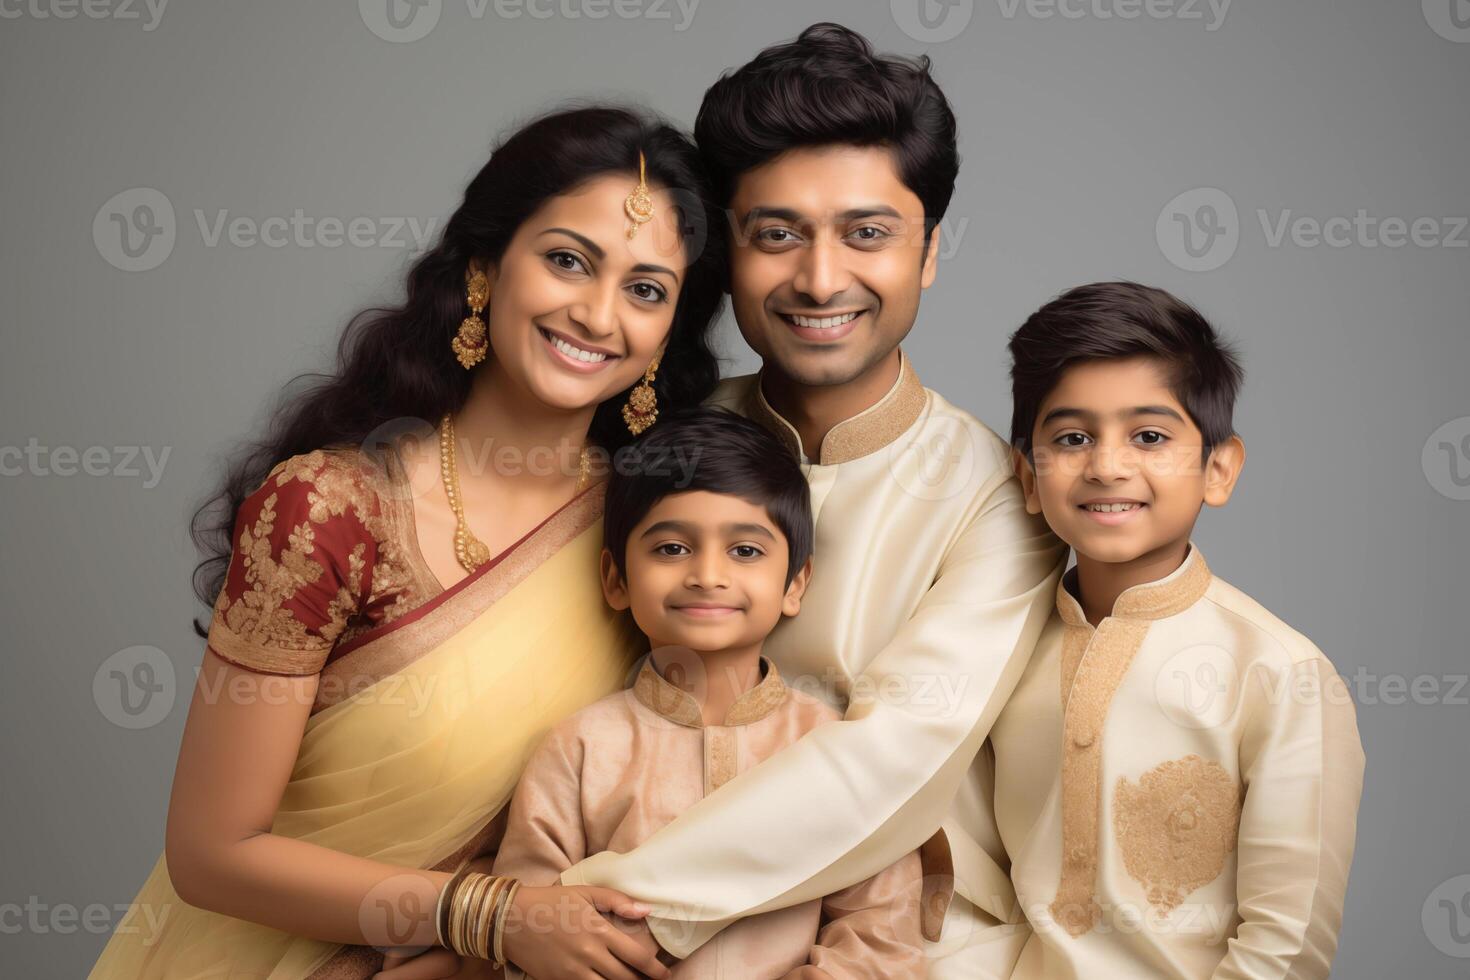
pixel 471 914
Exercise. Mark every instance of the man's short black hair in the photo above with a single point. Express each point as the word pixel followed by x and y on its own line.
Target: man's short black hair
pixel 1114 320
pixel 828 87
pixel 710 449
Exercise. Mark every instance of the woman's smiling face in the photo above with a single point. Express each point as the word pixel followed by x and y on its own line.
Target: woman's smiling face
pixel 577 309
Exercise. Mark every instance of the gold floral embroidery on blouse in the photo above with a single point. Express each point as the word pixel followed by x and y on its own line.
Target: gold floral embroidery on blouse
pixel 1176 827
pixel 325 552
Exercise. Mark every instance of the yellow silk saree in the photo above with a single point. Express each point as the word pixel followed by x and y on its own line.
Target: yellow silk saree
pixel 414 745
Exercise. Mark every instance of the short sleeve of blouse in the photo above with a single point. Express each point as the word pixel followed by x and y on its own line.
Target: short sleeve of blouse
pixel 301 567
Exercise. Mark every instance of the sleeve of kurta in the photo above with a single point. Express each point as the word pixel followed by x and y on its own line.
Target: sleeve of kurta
pixel 870 931
pixel 851 797
pixel 1302 764
pixel 544 833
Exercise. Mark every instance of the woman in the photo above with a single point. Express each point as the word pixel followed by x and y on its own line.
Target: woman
pixel 394 628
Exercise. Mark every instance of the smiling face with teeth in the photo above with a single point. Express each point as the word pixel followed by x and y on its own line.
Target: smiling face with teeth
pixel 1116 464
pixel 828 260
pixel 577 310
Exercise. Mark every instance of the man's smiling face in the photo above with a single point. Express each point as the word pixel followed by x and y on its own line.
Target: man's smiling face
pixel 827 261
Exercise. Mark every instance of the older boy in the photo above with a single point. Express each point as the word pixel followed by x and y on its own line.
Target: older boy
pixel 1178 771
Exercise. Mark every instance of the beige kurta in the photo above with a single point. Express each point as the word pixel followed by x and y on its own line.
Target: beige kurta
pixel 1178 789
pixel 930 587
pixel 611 775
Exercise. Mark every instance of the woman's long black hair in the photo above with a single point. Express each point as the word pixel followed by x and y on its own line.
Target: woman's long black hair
pixel 396 363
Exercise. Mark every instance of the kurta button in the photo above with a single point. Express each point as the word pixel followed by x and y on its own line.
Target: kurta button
pixel 1082 738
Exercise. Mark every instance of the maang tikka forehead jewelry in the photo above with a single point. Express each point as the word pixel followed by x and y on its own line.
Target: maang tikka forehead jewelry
pixel 638 205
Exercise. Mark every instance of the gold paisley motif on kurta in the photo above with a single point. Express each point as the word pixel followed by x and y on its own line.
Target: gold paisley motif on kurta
pixel 1176 826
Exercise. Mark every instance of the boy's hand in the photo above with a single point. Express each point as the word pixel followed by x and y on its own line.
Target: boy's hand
pixel 808 972
pixel 438 964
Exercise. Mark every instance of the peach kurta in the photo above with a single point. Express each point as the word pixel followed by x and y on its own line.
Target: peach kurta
pixel 613 774
pixel 930 587
pixel 1177 789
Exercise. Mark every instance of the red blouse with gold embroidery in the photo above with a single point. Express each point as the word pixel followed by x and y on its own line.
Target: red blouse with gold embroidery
pixel 324 551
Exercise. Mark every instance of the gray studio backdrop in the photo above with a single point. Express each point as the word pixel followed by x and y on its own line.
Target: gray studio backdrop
pixel 196 196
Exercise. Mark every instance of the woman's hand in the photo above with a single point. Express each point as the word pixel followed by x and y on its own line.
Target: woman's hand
pixel 560 931
pixel 807 972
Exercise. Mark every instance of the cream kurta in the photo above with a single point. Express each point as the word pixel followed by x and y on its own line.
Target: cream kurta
pixel 615 772
pixel 1178 789
pixel 930 587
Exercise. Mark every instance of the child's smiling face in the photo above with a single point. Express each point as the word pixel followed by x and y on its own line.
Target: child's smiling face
pixel 705 571
pixel 1117 469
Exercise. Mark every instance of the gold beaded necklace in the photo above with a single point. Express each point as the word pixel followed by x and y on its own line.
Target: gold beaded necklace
pixel 470 550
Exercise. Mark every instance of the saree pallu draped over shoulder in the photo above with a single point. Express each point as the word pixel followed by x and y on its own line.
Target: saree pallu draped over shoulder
pixel 414 746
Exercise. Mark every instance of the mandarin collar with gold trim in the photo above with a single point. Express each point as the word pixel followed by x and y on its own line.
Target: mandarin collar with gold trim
pixel 681 707
pixel 866 432
pixel 1163 597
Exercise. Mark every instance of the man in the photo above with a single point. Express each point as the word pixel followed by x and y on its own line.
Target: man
pixel 931 582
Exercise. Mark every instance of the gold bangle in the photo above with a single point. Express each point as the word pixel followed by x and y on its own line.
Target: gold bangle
pixel 485 917
pixel 464 899
pixel 452 916
pixel 499 945
pixel 456 910
pixel 462 915
pixel 442 907
pixel 476 912
pixel 501 911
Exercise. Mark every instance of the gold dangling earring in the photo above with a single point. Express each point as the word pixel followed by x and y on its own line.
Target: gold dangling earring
pixel 469 343
pixel 641 409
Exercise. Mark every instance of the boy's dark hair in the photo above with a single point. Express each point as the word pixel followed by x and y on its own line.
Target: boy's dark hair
pixel 1111 320
pixel 828 87
pixel 716 450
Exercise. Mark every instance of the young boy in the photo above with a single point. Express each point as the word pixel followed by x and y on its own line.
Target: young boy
pixel 708 563
pixel 1178 771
